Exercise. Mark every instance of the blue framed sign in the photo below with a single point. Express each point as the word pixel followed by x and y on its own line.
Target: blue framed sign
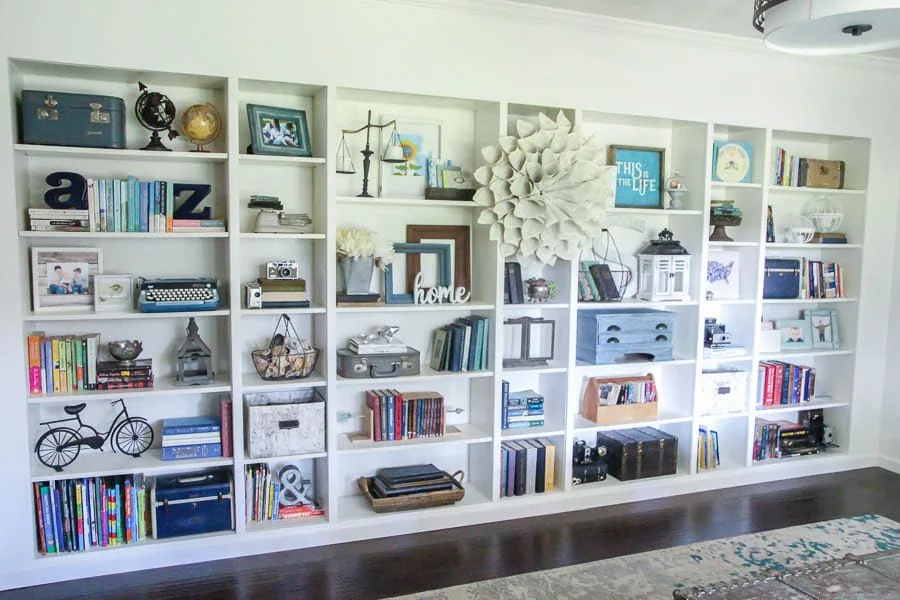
pixel 639 181
pixel 444 276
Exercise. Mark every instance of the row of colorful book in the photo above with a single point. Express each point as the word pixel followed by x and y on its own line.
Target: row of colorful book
pixel 191 437
pixel 121 205
pixel 395 416
pixel 61 363
pixel 821 279
pixel 75 515
pixel 708 449
pixel 461 345
pixel 261 500
pixel 781 439
pixel 783 384
pixel 527 467
pixel 520 409
pixel 636 391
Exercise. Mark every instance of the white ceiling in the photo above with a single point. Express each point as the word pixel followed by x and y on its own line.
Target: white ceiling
pixel 731 17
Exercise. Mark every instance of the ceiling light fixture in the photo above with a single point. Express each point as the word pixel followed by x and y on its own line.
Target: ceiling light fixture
pixel 820 27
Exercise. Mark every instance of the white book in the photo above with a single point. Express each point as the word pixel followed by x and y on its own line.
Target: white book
pixel 530 467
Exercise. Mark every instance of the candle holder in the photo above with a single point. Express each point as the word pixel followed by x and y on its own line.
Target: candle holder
pixel 392 154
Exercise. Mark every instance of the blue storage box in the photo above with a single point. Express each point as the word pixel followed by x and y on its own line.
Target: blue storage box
pixel 781 280
pixel 63 119
pixel 609 336
pixel 192 504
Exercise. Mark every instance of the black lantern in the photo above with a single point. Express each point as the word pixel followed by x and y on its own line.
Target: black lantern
pixel 194 359
pixel 528 342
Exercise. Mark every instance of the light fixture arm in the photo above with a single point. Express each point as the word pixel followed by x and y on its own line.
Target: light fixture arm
pixel 759 12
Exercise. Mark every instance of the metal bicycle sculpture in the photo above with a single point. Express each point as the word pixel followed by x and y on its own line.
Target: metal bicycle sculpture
pixel 60 445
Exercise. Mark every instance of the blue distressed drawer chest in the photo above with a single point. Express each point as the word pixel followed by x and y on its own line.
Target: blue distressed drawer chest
pixel 607 336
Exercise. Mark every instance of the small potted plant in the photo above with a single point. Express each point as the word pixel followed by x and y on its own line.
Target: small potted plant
pixel 359 251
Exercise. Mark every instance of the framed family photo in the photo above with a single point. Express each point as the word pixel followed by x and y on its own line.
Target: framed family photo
pixel 795 334
pixel 63 278
pixel 276 130
pixel 824 328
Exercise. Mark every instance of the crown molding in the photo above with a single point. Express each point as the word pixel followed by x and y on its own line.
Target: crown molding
pixel 617 26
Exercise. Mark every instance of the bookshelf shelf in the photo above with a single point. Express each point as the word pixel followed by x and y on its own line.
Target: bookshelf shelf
pixel 812 353
pixel 784 189
pixel 632 304
pixel 254 383
pixel 810 301
pixel 101 464
pixel 723 416
pixel 116 316
pixel 786 246
pixel 274 159
pixel 113 154
pixel 585 370
pixel 63 557
pixel 770 410
pixel 395 308
pixel 122 235
pixel 735 185
pixel 314 309
pixel 286 458
pixel 425 374
pixel 553 367
pixel 551 430
pixel 830 454
pixel 288 525
pixel 409 202
pixel 282 236
pixel 535 306
pixel 163 386
pixel 655 212
pixel 734 301
pixel 470 434
pixel 665 417
pixel 733 244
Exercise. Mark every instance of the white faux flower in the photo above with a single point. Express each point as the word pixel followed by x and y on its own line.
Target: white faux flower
pixel 362 242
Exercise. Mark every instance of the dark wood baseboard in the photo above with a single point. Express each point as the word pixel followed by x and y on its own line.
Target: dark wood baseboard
pixel 413 563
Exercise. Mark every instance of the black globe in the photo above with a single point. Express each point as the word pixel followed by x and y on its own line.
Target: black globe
pixel 155 111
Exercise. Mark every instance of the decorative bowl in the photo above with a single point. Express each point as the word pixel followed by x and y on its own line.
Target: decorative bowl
pixel 125 350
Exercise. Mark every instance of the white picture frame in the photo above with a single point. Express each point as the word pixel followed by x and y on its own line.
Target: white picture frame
pixel 723 275
pixel 62 279
pixel 393 183
pixel 113 293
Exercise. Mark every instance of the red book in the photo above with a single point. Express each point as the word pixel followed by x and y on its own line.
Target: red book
pixel 769 388
pixel 399 433
pixel 39 515
pixel 778 383
pixel 125 386
pixel 372 401
pixel 225 417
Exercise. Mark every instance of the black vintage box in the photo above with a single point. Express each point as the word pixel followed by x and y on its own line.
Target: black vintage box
pixel 364 366
pixel 65 119
pixel 639 453
pixel 591 473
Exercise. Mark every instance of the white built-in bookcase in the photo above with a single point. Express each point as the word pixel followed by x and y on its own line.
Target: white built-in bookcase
pixel 312 185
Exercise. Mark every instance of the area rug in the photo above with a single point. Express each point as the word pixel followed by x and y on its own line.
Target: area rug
pixel 656 574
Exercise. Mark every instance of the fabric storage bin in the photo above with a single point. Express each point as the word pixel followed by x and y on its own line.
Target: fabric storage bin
pixel 284 423
pixel 722 391
pixel 192 504
pixel 63 119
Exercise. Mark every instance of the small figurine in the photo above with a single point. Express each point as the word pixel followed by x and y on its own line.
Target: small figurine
pixel 541 290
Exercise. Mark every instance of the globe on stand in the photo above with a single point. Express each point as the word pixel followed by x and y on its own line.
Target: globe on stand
pixel 154 111
pixel 201 124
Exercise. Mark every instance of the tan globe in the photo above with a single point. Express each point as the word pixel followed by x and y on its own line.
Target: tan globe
pixel 201 124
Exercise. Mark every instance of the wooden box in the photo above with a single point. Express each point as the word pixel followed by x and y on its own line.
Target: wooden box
pixel 609 336
pixel 593 409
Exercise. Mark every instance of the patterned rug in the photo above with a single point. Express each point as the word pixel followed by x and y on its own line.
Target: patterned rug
pixel 656 574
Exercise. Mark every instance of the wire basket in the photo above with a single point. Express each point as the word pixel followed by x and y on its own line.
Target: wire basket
pixel 288 356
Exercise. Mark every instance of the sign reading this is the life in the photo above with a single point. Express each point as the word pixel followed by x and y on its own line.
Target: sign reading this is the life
pixel 638 181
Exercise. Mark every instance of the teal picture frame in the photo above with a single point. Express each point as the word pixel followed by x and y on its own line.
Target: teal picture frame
pixel 280 131
pixel 444 276
pixel 640 176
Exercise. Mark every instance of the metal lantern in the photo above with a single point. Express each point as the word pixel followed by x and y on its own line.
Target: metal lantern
pixel 664 270
pixel 194 360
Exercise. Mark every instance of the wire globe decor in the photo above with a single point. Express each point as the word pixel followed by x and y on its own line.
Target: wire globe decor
pixel 825 213
pixel 798 229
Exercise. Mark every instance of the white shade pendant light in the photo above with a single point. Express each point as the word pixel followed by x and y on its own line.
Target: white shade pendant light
pixel 820 27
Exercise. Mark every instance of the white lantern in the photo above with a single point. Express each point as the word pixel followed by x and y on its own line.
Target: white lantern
pixel 664 270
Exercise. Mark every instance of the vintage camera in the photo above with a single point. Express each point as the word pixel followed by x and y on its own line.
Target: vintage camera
pixel 586 455
pixel 714 334
pixel 254 295
pixel 282 269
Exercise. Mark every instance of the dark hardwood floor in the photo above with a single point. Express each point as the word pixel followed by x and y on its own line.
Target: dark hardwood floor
pixel 413 563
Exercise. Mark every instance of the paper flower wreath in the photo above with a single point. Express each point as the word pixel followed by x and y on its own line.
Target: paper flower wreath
pixel 545 192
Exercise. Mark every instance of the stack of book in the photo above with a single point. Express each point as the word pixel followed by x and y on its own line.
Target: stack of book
pixel 62 363
pixel 782 439
pixel 191 437
pixel 461 345
pixel 513 285
pixel 782 384
pixel 527 467
pixel 414 479
pixel 821 279
pixel 284 293
pixel 520 409
pixel 724 208
pixel 261 498
pixel 52 219
pixel 395 416
pixel 74 515
pixel 116 375
pixel 197 225
pixel 707 449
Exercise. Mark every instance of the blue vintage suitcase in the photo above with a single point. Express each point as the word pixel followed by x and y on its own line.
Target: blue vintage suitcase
pixel 62 119
pixel 781 279
pixel 191 504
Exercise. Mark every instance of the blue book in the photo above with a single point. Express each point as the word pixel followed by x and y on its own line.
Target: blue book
pixel 100 200
pixel 504 404
pixel 191 451
pixel 182 425
pixel 145 206
pixel 404 426
pixel 503 460
pixel 524 412
pixel 389 400
pixel 57 519
pixel 46 520
pixel 276 493
pixel 485 342
pixel 457 335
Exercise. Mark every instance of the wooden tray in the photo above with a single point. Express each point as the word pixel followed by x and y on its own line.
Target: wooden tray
pixel 412 501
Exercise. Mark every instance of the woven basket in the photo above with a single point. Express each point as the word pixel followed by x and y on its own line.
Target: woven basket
pixel 412 501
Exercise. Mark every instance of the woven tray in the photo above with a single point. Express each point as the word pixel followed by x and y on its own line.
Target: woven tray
pixel 412 501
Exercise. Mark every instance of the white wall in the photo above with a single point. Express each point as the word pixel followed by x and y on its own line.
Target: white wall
pixel 482 50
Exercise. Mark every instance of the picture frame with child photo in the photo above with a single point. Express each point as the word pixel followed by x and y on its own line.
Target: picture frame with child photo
pixel 63 278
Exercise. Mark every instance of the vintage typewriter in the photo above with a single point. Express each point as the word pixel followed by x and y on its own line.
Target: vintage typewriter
pixel 171 295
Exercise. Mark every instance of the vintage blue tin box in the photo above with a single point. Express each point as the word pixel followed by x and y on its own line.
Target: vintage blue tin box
pixel 191 504
pixel 63 119
pixel 609 336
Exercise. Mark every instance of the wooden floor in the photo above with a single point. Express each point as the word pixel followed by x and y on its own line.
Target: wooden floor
pixel 413 563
